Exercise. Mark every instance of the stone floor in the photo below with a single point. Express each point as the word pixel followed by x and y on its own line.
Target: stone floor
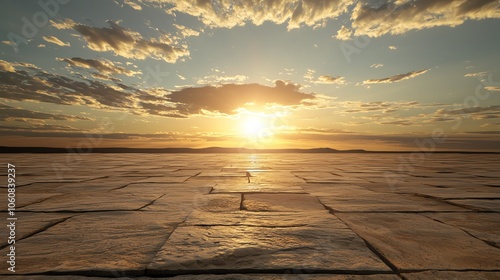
pixel 297 216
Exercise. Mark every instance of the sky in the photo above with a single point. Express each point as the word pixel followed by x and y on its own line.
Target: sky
pixel 413 75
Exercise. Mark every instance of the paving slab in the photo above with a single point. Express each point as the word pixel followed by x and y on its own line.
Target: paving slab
pixel 485 226
pixel 256 188
pixel 453 275
pixel 413 242
pixel 99 244
pixel 187 217
pixel 91 201
pixel 292 275
pixel 28 224
pixel 479 204
pixel 256 241
pixel 263 219
pixel 281 202
pixel 385 202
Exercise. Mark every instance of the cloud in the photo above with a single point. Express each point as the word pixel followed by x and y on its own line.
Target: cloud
pixel 125 42
pixel 216 79
pixel 377 65
pixel 103 66
pixel 396 78
pixel 380 106
pixel 476 113
pixel 323 79
pixel 36 85
pixel 55 40
pixel 31 84
pixel 476 75
pixel 344 33
pixel 226 99
pixel 133 5
pixel 6 66
pixel 326 79
pixel 186 31
pixel 9 113
pixel 376 18
pixel 228 14
pixel 41 46
pixel 393 48
pixel 492 88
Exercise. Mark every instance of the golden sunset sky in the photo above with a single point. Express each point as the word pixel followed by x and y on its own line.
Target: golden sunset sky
pixel 375 75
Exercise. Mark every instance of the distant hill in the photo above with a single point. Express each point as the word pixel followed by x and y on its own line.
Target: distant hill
pixel 210 150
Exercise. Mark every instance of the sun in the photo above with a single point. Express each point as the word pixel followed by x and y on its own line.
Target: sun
pixel 254 126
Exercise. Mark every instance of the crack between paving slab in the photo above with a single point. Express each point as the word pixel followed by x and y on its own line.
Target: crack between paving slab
pixel 490 243
pixel 438 199
pixel 118 188
pixel 51 224
pixel 39 201
pixel 151 259
pixel 283 271
pixel 368 244
pixel 192 176
pixel 151 202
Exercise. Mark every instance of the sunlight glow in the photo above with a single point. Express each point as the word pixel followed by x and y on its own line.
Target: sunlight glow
pixel 253 126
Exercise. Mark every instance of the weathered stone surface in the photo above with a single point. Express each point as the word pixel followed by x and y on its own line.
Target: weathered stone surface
pixel 206 248
pixel 453 193
pixel 291 275
pixel 91 201
pixel 201 194
pixel 485 226
pixel 412 241
pixel 258 240
pixel 187 200
pixel 479 204
pixel 384 202
pixel 30 223
pixel 104 243
pixel 258 188
pixel 281 202
pixel 218 202
pixel 453 275
pixel 25 198
pixel 264 219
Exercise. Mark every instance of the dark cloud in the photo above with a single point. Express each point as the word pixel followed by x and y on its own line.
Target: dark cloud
pixel 102 66
pixel 227 98
pixel 36 85
pixel 8 113
pixel 372 18
pixel 376 18
pixel 51 88
pixel 396 78
pixel 222 13
pixel 477 113
pixel 125 42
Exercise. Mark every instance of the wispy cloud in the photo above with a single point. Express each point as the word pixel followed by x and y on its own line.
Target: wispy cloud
pixel 396 78
pixel 102 66
pixel 323 79
pixel 344 33
pixel 55 40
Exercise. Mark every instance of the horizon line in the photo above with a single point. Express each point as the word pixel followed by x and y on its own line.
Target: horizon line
pixel 228 150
